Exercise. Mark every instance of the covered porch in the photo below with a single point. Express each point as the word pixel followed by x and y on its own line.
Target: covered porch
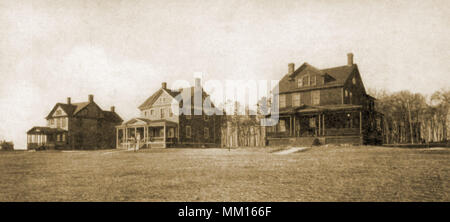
pixel 330 124
pixel 140 133
pixel 46 138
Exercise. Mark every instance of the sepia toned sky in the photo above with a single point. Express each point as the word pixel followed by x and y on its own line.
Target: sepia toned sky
pixel 121 51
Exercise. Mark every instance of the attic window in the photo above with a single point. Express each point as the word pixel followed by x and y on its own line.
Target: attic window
pixel 306 80
pixel 299 82
pixel 354 81
pixel 313 80
pixel 58 112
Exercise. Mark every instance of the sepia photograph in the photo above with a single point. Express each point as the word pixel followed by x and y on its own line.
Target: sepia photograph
pixel 224 101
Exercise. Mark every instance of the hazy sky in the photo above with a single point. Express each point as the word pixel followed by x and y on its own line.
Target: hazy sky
pixel 121 51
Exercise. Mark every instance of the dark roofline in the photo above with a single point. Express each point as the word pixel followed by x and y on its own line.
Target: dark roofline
pixel 313 88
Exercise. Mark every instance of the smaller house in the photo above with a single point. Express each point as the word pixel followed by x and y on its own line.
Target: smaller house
pixel 6 146
pixel 81 125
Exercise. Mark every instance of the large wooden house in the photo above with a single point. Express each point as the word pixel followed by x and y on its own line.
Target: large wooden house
pixel 325 106
pixel 76 126
pixel 160 126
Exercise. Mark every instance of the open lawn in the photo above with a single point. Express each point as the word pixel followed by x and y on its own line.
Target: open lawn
pixel 251 174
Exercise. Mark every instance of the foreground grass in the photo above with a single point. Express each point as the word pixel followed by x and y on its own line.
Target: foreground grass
pixel 318 174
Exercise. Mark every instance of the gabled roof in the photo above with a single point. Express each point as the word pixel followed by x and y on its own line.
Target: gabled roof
pixel 80 106
pixel 302 67
pixel 341 73
pixel 112 116
pixel 152 99
pixel 70 109
pixel 148 122
pixel 74 108
pixel 337 76
pixel 148 102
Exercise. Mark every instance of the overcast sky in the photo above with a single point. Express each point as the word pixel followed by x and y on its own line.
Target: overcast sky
pixel 121 51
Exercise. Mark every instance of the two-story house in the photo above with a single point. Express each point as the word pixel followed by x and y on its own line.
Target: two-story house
pixel 76 126
pixel 327 105
pixel 161 125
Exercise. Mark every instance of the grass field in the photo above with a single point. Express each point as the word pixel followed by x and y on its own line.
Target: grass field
pixel 252 174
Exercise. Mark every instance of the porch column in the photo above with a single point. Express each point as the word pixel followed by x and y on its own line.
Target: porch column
pixel 126 136
pixel 117 138
pixel 318 131
pixel 360 123
pixel 294 127
pixel 164 135
pixel 299 126
pixel 145 134
pixel 323 124
pixel 290 126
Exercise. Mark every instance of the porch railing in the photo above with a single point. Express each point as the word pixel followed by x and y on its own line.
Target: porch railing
pixel 312 132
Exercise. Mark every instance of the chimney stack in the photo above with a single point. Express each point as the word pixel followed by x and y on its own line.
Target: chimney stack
pixel 349 59
pixel 164 85
pixel 68 100
pixel 198 83
pixel 91 98
pixel 291 68
pixel 113 109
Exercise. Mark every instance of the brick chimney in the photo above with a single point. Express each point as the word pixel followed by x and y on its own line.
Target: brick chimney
pixel 291 68
pixel 349 59
pixel 164 85
pixel 68 100
pixel 91 98
pixel 113 109
pixel 198 84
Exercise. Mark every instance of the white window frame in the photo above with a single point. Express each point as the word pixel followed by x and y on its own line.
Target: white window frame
pixel 299 82
pixel 161 114
pixel 305 83
pixel 312 83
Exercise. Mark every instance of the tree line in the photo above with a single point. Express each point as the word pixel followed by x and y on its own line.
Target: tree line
pixel 414 117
